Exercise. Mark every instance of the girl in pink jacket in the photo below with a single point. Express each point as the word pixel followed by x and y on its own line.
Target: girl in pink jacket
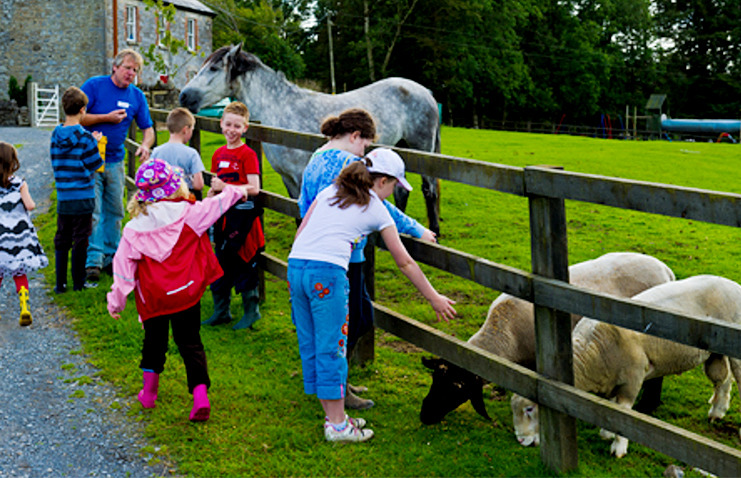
pixel 166 258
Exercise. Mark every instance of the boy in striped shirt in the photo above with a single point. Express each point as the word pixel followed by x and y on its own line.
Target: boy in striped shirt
pixel 74 158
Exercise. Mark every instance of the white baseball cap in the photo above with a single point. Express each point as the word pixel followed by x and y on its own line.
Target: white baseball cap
pixel 385 161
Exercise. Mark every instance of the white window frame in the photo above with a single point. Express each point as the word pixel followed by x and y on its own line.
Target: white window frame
pixel 131 22
pixel 161 29
pixel 190 34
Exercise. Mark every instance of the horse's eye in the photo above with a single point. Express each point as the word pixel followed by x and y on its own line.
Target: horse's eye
pixel 214 68
pixel 529 410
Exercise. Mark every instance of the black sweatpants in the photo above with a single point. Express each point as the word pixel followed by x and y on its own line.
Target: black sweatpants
pixel 186 330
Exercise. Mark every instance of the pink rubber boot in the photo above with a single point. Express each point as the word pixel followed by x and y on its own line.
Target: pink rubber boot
pixel 148 393
pixel 201 407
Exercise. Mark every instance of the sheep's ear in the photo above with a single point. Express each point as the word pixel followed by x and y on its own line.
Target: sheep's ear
pixel 431 362
pixel 477 398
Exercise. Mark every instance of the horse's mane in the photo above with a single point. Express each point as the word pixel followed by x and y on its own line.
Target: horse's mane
pixel 247 62
pixel 216 55
pixel 220 53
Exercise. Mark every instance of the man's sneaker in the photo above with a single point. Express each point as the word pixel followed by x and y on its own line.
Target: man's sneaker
pixel 92 274
pixel 90 285
pixel 350 434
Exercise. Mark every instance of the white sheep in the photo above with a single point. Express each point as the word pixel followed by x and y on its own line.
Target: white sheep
pixel 509 329
pixel 614 362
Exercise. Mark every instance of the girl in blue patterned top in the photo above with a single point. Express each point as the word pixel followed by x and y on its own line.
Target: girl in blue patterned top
pixel 20 250
pixel 349 134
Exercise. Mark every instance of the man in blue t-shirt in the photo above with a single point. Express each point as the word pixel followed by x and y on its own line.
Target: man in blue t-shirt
pixel 114 102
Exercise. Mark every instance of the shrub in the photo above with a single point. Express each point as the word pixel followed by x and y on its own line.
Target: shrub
pixel 17 93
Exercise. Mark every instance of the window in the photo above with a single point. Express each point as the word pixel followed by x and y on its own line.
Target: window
pixel 161 30
pixel 191 34
pixel 132 20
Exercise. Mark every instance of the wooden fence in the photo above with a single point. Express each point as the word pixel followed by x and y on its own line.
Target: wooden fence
pixel 547 287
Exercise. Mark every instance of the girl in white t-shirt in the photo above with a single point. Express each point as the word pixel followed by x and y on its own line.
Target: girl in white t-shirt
pixel 339 218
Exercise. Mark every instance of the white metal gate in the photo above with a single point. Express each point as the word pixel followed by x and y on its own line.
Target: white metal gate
pixel 44 106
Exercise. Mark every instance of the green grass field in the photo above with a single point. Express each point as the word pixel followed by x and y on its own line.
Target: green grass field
pixel 263 425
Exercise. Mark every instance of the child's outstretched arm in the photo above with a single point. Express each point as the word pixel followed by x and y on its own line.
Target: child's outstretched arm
pixel 26 198
pixel 201 215
pixel 409 225
pixel 442 305
pixel 253 184
pixel 124 277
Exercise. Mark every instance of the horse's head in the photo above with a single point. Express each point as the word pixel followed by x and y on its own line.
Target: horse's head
pixel 218 77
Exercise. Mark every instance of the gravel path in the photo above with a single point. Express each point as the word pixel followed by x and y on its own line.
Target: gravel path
pixel 52 423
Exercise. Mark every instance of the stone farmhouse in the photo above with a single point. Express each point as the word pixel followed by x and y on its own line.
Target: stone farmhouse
pixel 66 42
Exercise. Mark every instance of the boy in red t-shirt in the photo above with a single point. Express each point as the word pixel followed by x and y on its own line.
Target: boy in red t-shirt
pixel 238 235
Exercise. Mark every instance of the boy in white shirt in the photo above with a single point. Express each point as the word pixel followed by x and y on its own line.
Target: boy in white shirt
pixel 180 123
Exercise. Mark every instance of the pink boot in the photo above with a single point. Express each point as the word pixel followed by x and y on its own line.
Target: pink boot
pixel 201 408
pixel 148 393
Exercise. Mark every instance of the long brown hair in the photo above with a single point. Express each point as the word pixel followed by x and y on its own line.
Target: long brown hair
pixel 9 163
pixel 354 184
pixel 349 121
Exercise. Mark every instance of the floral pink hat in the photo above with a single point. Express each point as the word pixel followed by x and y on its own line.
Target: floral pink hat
pixel 157 179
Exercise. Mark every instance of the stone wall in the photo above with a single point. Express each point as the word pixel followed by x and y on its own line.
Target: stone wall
pixel 147 35
pixel 66 42
pixel 55 42
pixel 8 113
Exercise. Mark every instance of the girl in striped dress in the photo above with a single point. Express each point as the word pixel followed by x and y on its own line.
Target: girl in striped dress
pixel 20 250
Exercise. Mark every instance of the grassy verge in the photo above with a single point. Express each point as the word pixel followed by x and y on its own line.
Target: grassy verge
pixel 263 425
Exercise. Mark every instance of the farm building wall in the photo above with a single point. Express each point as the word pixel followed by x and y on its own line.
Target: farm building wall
pixel 144 34
pixel 60 43
pixel 65 43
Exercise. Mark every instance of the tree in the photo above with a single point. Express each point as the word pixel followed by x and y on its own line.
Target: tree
pixel 162 56
pixel 703 57
pixel 466 52
pixel 272 31
pixel 17 92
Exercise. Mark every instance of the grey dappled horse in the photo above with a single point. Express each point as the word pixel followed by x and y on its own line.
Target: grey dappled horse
pixel 404 111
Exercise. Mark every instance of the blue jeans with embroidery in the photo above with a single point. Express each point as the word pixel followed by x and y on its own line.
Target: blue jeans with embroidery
pixel 319 292
pixel 108 215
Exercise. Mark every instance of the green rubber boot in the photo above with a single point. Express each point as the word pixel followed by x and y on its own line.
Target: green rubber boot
pixel 221 313
pixel 251 307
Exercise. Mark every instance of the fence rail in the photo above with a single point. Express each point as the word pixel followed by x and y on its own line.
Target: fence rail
pixel 546 190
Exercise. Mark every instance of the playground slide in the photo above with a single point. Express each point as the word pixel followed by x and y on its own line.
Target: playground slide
pixel 710 126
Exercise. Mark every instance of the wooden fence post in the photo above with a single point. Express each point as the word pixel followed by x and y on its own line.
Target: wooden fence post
pixel 195 139
pixel 549 251
pixel 257 147
pixel 131 163
pixel 365 348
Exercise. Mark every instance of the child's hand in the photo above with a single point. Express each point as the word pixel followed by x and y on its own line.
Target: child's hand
pixel 116 314
pixel 97 135
pixel 429 236
pixel 443 308
pixel 217 185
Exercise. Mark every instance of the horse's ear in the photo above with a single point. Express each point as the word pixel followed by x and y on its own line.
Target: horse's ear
pixel 235 49
pixel 240 62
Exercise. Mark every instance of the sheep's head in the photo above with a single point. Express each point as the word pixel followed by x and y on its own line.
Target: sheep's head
pixel 525 418
pixel 451 387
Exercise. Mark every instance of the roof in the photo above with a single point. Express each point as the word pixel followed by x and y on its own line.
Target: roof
pixel 655 102
pixel 193 6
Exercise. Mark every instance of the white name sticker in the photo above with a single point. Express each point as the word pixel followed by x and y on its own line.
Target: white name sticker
pixel 123 104
pixel 224 164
